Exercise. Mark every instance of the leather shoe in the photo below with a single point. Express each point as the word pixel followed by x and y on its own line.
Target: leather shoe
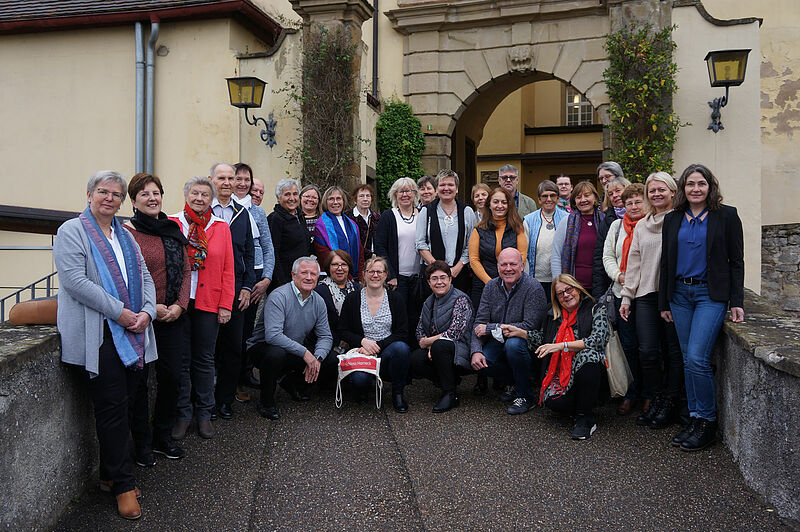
pixel 704 434
pixel 224 411
pixel 684 434
pixel 205 428
pixel 665 415
pixel 242 395
pixel 448 401
pixel 145 459
pixel 626 407
pixel 293 392
pixel 169 450
pixel 481 385
pixel 399 403
pixel 269 412
pixel 106 485
pixel 179 429
pixel 647 415
pixel 127 505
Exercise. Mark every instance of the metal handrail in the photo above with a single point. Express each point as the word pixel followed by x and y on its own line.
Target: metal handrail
pixel 48 288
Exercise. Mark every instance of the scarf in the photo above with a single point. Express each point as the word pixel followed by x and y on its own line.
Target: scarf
pixel 629 225
pixel 334 238
pixel 198 240
pixel 130 346
pixel 571 240
pixel 174 248
pixel 338 294
pixel 619 211
pixel 561 361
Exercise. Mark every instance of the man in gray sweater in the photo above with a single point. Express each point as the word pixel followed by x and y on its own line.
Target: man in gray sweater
pixel 294 317
pixel 511 299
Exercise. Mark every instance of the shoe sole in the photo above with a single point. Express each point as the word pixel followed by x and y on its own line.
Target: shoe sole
pixel 591 431
pixel 167 455
pixel 695 449
pixel 142 464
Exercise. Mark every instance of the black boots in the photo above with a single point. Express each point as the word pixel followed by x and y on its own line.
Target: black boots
pixel 399 403
pixel 666 413
pixel 703 435
pixel 448 401
pixel 646 417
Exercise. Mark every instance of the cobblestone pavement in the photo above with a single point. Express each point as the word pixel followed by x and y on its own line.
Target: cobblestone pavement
pixel 474 468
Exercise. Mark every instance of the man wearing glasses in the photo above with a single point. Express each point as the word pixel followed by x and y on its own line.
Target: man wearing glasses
pixel 508 178
pixel 564 184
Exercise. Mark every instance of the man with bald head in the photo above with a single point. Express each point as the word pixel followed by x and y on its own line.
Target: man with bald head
pixel 510 299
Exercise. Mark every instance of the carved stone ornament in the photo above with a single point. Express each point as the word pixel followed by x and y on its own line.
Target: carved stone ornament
pixel 521 58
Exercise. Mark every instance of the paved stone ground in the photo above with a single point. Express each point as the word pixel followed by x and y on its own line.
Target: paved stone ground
pixel 474 468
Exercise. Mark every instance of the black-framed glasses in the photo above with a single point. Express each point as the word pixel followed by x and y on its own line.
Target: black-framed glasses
pixel 375 272
pixel 565 291
pixel 507 178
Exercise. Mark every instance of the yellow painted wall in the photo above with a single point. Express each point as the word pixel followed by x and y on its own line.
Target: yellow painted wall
pixel 21 267
pixel 733 154
pixel 779 63
pixel 549 104
pixel 504 131
pixel 390 54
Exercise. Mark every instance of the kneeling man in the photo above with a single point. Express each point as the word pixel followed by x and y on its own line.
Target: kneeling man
pixel 294 321
pixel 513 298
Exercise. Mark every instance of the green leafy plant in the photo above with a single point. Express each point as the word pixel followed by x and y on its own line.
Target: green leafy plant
pixel 399 143
pixel 640 82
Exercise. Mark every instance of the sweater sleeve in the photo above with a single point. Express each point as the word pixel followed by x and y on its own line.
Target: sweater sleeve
pixel 633 273
pixel 275 315
pixel 558 246
pixel 522 245
pixel 610 259
pixel 474 257
pixel 265 241
pixel 462 319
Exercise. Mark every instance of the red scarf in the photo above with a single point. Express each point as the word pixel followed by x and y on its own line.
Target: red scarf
pixel 628 224
pixel 198 240
pixel 561 361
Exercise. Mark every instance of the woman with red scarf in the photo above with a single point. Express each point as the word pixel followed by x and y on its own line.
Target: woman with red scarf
pixel 574 361
pixel 210 301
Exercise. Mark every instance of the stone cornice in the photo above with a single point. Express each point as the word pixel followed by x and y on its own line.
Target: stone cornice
pixel 355 11
pixel 432 16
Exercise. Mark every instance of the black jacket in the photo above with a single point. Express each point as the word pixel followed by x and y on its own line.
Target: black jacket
pixel 243 249
pixel 291 241
pixel 386 242
pixel 724 256
pixel 600 279
pixel 351 329
pixel 333 318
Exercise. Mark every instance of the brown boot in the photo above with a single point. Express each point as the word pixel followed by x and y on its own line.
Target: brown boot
pixel 626 407
pixel 106 485
pixel 127 505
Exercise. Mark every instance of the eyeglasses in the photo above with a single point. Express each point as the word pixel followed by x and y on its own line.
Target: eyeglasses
pixel 507 178
pixel 106 193
pixel 565 291
pixel 548 196
pixel 404 191
pixel 338 266
pixel 375 272
pixel 437 278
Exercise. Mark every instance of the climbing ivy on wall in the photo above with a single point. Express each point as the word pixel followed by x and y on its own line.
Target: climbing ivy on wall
pixel 399 143
pixel 640 83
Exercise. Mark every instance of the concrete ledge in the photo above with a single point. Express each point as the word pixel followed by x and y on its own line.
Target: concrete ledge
pixel 48 447
pixel 758 393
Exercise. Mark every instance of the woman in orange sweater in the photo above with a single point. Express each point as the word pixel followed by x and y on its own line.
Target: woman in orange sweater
pixel 500 227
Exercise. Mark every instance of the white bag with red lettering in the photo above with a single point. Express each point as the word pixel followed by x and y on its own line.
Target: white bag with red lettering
pixel 353 361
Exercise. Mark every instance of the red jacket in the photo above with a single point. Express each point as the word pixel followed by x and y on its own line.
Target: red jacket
pixel 215 279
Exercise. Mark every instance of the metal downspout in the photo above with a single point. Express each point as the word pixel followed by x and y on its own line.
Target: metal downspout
pixel 139 51
pixel 375 49
pixel 149 104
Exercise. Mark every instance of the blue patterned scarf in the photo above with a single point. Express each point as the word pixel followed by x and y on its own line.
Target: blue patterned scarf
pixel 571 240
pixel 130 346
pixel 337 239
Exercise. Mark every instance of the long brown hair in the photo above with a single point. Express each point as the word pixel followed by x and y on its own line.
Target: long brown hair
pixel 714 198
pixel 512 215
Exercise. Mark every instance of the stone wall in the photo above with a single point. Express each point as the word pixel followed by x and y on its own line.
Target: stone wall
pixel 780 265
pixel 48 448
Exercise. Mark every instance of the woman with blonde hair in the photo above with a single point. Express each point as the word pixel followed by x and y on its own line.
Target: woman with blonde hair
pixel 662 372
pixel 335 230
pixel 614 209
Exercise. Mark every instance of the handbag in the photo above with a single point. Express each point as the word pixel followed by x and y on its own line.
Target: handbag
pixel 619 373
pixel 353 361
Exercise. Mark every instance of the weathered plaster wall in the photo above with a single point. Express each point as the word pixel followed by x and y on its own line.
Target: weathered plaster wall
pixel 780 100
pixel 733 154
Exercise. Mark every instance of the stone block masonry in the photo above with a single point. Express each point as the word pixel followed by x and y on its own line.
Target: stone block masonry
pixel 780 265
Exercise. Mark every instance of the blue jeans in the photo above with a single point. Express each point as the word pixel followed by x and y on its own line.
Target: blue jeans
pixel 510 361
pixel 698 320
pixel 395 361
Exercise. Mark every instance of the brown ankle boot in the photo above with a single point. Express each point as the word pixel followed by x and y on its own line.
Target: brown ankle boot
pixel 127 505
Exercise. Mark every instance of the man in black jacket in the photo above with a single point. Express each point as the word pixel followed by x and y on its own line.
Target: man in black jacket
pixel 229 338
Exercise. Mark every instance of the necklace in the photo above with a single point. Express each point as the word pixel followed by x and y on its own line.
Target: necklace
pixel 408 220
pixel 550 221
pixel 448 216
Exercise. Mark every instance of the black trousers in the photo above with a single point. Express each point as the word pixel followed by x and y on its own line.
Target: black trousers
pixel 440 368
pixel 247 331
pixel 173 340
pixel 229 356
pixel 660 356
pixel 112 392
pixel 584 394
pixel 274 363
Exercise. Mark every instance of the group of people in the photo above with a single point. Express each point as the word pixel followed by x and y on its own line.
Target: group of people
pixel 435 288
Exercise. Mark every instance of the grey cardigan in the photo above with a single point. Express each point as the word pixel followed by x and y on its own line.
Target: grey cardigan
pixel 83 304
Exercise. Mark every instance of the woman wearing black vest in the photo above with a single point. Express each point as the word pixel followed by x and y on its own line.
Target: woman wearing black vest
pixel 575 333
pixel 443 230
pixel 443 333
pixel 501 228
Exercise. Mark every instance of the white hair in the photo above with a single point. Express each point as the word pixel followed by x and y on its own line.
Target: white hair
pixel 107 176
pixel 284 184
pixel 301 260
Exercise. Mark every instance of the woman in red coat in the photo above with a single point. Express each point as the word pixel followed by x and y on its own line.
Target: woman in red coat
pixel 211 299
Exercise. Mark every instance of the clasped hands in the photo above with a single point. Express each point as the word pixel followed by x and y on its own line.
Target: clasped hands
pixel 134 322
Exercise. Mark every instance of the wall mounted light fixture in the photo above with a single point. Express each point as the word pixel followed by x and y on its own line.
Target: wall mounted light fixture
pixel 246 93
pixel 726 68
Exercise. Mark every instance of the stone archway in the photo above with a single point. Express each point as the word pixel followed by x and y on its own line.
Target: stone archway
pixel 461 54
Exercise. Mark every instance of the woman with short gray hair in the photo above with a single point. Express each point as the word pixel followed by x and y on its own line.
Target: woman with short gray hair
pixel 290 236
pixel 106 303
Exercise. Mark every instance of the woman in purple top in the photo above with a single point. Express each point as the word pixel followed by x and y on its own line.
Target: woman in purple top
pixel 575 240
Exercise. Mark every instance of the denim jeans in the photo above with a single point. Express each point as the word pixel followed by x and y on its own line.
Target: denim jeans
pixel 698 320
pixel 630 345
pixel 395 362
pixel 510 361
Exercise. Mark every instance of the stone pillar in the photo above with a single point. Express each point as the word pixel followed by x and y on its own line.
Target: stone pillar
pixel 346 16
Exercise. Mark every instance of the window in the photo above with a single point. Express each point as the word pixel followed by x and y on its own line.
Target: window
pixel 579 109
